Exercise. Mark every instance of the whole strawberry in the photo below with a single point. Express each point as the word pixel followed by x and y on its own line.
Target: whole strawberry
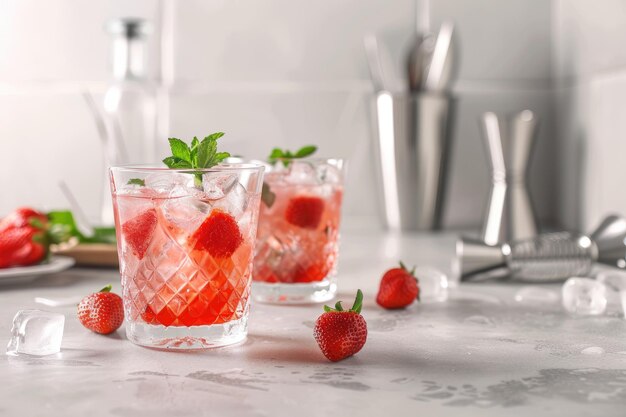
pixel 398 288
pixel 101 312
pixel 340 333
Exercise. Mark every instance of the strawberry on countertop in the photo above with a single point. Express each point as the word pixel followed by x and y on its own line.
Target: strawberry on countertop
pixel 101 312
pixel 398 288
pixel 340 333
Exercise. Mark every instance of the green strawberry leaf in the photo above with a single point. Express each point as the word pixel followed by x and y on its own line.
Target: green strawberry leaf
pixel 356 307
pixel 108 288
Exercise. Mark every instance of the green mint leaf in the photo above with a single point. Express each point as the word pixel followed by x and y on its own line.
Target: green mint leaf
pixel 174 162
pixel 180 149
pixel 305 151
pixel 220 156
pixel 276 153
pixel 267 195
pixel 194 151
pixel 206 152
pixel 215 136
pixel 136 181
pixel 286 156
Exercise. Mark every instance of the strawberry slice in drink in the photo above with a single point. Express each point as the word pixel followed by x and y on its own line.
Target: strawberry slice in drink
pixel 305 211
pixel 219 235
pixel 138 232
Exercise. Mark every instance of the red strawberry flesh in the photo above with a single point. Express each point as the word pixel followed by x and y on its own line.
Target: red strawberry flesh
pixel 398 289
pixel 138 232
pixel 219 235
pixel 305 211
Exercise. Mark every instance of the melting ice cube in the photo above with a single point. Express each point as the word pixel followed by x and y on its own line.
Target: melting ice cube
pixel 302 173
pixel 172 184
pixel 433 284
pixel 217 185
pixel 36 332
pixel 185 213
pixel 614 279
pixel 234 202
pixel 328 173
pixel 584 296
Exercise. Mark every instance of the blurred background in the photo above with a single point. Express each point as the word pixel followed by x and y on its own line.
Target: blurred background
pixel 289 73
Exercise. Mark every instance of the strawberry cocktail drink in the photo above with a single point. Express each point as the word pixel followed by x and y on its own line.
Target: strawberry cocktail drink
pixel 185 240
pixel 297 242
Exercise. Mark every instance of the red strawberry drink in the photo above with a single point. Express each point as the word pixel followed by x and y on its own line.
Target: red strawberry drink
pixel 185 243
pixel 297 242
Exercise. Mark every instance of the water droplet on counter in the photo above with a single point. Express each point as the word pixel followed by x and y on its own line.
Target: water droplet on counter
pixel 534 295
pixel 594 350
pixel 481 320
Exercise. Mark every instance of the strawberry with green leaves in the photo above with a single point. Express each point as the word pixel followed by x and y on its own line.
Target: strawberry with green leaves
pixel 25 238
pixel 399 288
pixel 341 333
pixel 101 312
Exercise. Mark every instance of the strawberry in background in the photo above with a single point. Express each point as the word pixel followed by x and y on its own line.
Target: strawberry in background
pixel 24 238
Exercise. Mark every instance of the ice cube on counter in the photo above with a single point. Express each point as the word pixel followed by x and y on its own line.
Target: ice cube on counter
pixel 433 284
pixel 613 278
pixel 535 295
pixel 584 296
pixel 36 332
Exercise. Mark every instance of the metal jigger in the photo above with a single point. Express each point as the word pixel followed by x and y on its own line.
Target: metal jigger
pixel 509 216
pixel 549 256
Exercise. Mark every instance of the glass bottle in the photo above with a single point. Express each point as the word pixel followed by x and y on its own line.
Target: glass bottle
pixel 130 103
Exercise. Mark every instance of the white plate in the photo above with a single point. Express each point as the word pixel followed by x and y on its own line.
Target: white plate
pixel 29 273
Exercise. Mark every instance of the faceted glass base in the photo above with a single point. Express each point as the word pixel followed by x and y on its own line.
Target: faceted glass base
pixel 283 293
pixel 187 338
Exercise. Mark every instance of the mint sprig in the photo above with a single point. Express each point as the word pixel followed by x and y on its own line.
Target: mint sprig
pixel 287 156
pixel 201 154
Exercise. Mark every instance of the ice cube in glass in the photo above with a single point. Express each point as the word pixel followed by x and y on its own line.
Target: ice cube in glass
pixel 36 332
pixel 584 296
pixel 433 284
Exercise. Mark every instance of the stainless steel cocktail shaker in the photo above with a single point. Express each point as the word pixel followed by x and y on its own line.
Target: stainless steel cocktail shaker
pixel 412 142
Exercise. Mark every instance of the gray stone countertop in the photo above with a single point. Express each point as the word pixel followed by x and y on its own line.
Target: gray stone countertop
pixel 479 353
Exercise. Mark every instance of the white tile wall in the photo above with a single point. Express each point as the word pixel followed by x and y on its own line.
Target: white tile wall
pixel 589 67
pixel 62 40
pixel 278 72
